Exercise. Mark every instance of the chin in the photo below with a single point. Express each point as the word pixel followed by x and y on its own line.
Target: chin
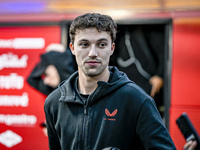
pixel 91 74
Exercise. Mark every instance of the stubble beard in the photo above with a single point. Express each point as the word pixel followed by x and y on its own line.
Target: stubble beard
pixel 92 72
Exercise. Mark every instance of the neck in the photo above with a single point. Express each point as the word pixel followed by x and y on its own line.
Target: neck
pixel 87 84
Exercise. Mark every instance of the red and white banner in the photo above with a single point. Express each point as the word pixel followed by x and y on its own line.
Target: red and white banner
pixel 21 106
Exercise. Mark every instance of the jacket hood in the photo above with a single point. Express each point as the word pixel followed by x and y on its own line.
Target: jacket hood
pixel 119 79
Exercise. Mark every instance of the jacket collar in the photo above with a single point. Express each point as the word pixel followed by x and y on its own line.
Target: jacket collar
pixel 68 94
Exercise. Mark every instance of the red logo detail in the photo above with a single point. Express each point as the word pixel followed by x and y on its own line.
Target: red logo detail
pixel 110 114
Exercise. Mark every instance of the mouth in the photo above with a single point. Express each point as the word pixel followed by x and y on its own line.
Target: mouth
pixel 92 63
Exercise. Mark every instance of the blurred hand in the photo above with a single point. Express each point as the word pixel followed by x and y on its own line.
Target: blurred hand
pixel 45 131
pixel 51 77
pixel 190 145
pixel 157 83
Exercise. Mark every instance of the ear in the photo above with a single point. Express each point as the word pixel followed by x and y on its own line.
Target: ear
pixel 72 48
pixel 112 48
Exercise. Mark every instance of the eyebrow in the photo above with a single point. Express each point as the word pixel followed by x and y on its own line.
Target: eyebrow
pixel 102 39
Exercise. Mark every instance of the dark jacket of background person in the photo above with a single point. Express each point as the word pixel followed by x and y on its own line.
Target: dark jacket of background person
pixel 63 62
pixel 102 121
pixel 147 44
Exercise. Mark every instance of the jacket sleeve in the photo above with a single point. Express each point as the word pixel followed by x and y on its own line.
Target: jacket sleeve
pixel 151 130
pixel 54 143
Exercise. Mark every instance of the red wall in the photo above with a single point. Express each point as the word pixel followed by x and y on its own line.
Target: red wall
pixel 20 123
pixel 185 91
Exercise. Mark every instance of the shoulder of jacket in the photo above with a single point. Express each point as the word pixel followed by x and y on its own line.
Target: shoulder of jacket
pixel 53 97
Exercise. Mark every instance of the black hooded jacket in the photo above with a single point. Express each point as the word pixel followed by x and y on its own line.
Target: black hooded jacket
pixel 117 114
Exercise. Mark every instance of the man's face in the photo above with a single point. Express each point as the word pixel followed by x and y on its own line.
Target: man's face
pixel 92 50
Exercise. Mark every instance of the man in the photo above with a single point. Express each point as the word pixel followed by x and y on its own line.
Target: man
pixel 98 106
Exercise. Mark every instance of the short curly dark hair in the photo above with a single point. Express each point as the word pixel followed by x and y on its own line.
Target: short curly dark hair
pixel 89 20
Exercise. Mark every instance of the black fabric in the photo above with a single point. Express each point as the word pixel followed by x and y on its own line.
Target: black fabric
pixel 148 46
pixel 147 42
pixel 82 96
pixel 117 114
pixel 64 63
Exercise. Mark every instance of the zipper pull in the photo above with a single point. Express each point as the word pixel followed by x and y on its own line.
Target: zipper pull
pixel 85 110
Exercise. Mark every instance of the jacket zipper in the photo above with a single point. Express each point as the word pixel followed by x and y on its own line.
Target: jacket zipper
pixel 84 127
pixel 84 143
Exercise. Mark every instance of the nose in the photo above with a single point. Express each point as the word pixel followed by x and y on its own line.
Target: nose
pixel 93 51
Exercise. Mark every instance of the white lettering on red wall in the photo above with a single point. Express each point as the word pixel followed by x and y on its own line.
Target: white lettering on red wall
pixel 21 106
pixel 23 43
pixel 12 81
pixel 21 119
pixel 11 60
pixel 14 100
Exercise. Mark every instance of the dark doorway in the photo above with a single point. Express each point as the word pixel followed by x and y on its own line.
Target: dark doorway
pixel 143 52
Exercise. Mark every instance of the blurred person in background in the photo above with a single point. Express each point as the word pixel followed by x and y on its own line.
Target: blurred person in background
pixel 55 66
pixel 139 53
pixel 50 71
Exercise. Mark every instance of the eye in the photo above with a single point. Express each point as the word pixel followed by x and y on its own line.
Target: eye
pixel 102 44
pixel 84 44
